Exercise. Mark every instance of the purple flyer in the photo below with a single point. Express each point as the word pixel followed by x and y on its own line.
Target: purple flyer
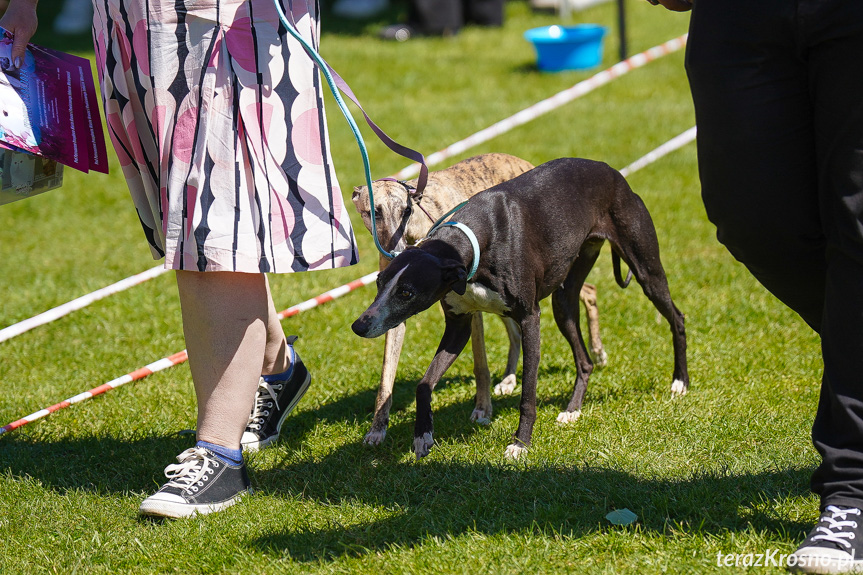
pixel 48 107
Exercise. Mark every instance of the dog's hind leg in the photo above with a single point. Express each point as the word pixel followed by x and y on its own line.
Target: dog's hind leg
pixel 655 286
pixel 393 342
pixel 455 336
pixel 565 303
pixel 482 412
pixel 591 309
pixel 638 246
pixel 508 383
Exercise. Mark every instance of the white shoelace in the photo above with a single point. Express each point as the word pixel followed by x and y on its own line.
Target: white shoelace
pixel 194 467
pixel 837 522
pixel 265 399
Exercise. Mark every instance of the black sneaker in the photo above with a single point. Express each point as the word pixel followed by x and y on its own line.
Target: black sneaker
pixel 276 397
pixel 835 545
pixel 200 483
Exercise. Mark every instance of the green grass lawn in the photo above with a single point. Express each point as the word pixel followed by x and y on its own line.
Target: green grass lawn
pixel 723 470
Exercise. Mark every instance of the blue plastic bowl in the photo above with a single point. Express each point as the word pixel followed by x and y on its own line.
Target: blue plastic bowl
pixel 567 47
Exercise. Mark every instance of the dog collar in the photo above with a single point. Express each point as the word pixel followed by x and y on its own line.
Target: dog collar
pixel 473 242
pixel 408 188
pixel 413 195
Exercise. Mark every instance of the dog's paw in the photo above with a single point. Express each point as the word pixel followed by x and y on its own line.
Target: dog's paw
pixel 481 416
pixel 565 417
pixel 422 445
pixel 600 357
pixel 514 451
pixel 678 388
pixel 375 437
pixel 505 387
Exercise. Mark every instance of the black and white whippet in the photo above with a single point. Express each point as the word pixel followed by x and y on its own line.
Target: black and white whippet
pixel 536 235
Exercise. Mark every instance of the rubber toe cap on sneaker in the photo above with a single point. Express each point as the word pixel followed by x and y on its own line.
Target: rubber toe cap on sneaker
pixel 166 505
pixel 165 498
pixel 250 442
pixel 824 560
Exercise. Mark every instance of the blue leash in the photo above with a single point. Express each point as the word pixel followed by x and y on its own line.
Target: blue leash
pixel 329 73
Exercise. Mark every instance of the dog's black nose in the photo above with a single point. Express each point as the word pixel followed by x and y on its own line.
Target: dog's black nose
pixel 361 326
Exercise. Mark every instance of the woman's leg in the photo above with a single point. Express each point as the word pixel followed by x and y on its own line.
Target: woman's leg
pixel 225 319
pixel 284 382
pixel 276 356
pixel 226 322
pixel 780 142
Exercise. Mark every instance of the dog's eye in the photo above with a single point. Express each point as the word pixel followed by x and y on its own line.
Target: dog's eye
pixel 378 213
pixel 405 293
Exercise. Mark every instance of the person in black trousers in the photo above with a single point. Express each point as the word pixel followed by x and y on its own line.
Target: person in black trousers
pixel 778 93
pixel 445 18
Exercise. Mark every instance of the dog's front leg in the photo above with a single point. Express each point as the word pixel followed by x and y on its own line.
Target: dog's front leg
pixel 393 341
pixel 530 373
pixel 482 411
pixel 455 337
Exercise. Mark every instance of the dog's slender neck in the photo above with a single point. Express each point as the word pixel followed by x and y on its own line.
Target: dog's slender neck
pixel 450 243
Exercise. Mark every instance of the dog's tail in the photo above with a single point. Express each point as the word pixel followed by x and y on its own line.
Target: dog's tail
pixel 615 260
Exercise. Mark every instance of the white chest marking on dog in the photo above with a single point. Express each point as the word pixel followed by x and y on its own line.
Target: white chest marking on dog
pixel 477 297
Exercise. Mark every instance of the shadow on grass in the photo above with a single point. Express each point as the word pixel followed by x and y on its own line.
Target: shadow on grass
pixel 435 499
pixel 89 463
pixel 445 499
pixel 451 419
pixel 102 464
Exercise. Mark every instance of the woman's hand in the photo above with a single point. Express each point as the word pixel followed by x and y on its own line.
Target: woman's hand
pixel 20 19
pixel 675 5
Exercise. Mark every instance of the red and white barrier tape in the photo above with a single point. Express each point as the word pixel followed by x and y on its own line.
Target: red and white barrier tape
pixel 674 143
pixel 549 104
pixel 328 296
pixel 141 373
pixel 181 357
pixel 76 304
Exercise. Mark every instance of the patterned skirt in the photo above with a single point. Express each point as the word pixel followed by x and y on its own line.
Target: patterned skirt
pixel 217 117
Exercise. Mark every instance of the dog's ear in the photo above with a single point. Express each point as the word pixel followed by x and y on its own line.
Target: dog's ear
pixel 455 276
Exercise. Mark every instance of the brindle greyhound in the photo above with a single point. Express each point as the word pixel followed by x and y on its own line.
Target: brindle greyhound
pixel 402 219
pixel 536 235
